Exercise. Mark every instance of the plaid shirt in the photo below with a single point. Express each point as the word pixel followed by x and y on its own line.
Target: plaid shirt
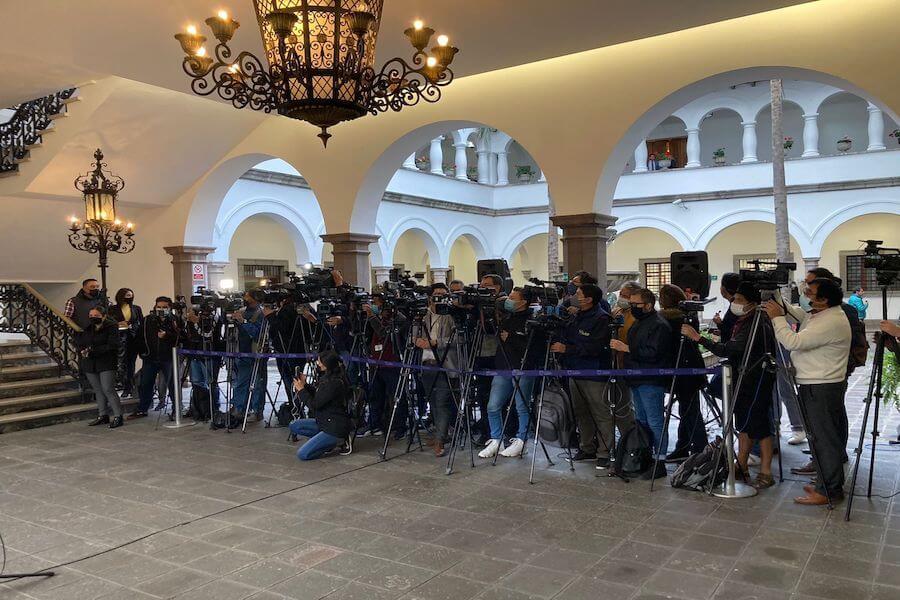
pixel 70 308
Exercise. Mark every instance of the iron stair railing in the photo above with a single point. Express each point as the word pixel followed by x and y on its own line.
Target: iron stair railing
pixel 23 131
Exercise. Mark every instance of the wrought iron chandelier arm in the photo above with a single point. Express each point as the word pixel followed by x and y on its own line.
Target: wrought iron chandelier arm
pixel 242 81
pixel 399 84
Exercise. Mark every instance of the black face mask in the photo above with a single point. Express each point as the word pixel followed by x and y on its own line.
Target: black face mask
pixel 94 293
pixel 639 313
pixel 128 300
pixel 96 320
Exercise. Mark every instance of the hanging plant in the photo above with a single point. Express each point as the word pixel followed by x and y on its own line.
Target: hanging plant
pixel 890 380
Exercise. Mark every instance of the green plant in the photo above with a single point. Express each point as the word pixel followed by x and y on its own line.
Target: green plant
pixel 719 153
pixel 890 380
pixel 524 170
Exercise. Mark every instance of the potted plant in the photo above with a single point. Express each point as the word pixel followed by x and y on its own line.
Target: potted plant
pixel 524 173
pixel 472 173
pixel 422 163
pixel 719 157
pixel 664 159
pixel 449 169
pixel 788 143
pixel 844 144
pixel 891 381
pixel 895 134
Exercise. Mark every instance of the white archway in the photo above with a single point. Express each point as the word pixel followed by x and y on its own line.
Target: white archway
pixel 431 238
pixel 519 237
pixel 473 234
pixel 666 226
pixel 837 218
pixel 306 242
pixel 710 230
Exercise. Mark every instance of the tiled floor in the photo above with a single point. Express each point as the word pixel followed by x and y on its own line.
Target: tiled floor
pixel 227 516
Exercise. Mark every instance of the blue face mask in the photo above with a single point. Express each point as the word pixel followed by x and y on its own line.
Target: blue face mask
pixel 571 288
pixel 376 310
pixel 805 303
pixel 509 305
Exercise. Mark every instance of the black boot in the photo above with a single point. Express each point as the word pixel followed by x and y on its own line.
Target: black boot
pixel 116 422
pixel 99 421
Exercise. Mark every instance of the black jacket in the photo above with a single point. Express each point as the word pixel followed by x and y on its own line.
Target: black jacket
pixel 133 334
pixel 158 348
pixel 587 337
pixel 102 345
pixel 511 352
pixel 286 329
pixel 691 358
pixel 328 402
pixel 650 347
pixel 757 382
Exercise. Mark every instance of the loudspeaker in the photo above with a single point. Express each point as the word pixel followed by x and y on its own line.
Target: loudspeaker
pixel 495 266
pixel 690 272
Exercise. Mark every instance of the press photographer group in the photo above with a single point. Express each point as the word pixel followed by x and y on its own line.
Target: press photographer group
pixel 498 371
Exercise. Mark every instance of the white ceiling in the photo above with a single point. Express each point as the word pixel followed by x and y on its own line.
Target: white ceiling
pixel 50 44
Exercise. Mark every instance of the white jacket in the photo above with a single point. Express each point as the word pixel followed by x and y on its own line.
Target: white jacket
pixel 820 349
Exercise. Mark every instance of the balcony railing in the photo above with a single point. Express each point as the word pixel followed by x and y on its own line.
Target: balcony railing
pixel 29 121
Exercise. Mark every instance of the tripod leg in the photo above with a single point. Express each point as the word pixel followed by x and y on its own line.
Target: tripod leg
pixel 873 378
pixel 398 391
pixel 537 433
pixel 875 432
pixel 665 429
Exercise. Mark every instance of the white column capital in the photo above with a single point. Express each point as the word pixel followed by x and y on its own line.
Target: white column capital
pixel 382 274
pixel 810 263
pixel 439 274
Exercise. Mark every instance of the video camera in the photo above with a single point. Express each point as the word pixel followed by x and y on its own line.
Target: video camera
pixel 885 261
pixel 315 284
pixel 547 321
pixel 207 302
pixel 775 275
pixel 548 292
pixel 694 306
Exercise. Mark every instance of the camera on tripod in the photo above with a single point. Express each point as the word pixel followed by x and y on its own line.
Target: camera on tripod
pixel 548 292
pixel 547 321
pixel 885 261
pixel 775 275
pixel 694 306
pixel 206 302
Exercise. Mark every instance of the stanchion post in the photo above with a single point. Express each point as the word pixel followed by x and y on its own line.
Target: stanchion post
pixel 730 488
pixel 176 378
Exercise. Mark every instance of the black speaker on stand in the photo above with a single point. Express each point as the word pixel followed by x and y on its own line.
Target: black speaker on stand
pixel 690 272
pixel 495 266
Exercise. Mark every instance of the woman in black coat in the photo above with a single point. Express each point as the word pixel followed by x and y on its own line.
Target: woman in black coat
pixel 98 345
pixel 130 318
pixel 752 419
pixel 328 402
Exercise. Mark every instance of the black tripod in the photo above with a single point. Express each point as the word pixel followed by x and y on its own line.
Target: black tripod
pixel 463 424
pixel 403 393
pixel 550 361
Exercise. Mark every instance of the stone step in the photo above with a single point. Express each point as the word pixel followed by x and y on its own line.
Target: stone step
pixel 33 357
pixel 16 346
pixel 42 385
pixel 23 372
pixel 17 404
pixel 52 416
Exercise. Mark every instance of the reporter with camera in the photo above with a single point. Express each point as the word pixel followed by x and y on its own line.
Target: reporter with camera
pixel 159 336
pixel 569 304
pixel 584 344
pixel 388 329
pixel 819 352
pixel 98 346
pixel 330 424
pixel 519 348
pixel 438 351
pixel 485 357
pixel 288 327
pixel 752 417
pixel 648 346
pixel 249 321
pixel 203 331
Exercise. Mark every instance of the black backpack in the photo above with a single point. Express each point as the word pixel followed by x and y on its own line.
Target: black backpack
pixel 696 472
pixel 557 421
pixel 199 403
pixel 633 454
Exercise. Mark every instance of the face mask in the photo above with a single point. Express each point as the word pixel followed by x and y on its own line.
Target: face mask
pixel 571 288
pixel 94 293
pixel 162 312
pixel 638 312
pixel 376 310
pixel 738 310
pixel 805 303
pixel 96 320
pixel 129 299
pixel 623 303
pixel 509 305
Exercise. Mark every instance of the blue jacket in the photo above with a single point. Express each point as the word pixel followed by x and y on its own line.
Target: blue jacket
pixel 859 304
pixel 248 331
pixel 587 338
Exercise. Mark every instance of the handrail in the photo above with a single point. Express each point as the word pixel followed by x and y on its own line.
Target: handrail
pixel 24 310
pixel 25 127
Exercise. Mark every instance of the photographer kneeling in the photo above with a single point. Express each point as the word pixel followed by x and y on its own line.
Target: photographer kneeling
pixel 752 406
pixel 330 424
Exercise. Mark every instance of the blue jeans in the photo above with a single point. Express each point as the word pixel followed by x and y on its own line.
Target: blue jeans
pixel 318 443
pixel 199 368
pixel 649 409
pixel 501 392
pixel 244 367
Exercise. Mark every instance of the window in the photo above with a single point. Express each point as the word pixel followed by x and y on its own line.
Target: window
pixel 742 261
pixel 657 271
pixel 855 275
pixel 252 271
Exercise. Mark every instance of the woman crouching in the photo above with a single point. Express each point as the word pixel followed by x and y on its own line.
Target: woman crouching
pixel 328 403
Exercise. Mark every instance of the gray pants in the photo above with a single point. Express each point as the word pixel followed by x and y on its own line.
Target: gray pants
pixel 592 412
pixel 828 429
pixel 441 402
pixel 104 387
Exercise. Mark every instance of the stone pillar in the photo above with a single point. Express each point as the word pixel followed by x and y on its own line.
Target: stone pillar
pixel 693 149
pixel 215 272
pixel 439 274
pixel 810 135
pixel 410 162
pixel 436 156
pixel 189 267
pixel 876 129
pixel 640 158
pixel 382 274
pixel 584 242
pixel 461 160
pixel 502 168
pixel 351 256
pixel 484 166
pixel 749 142
pixel 809 263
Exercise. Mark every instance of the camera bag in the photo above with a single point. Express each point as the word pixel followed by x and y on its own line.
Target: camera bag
pixel 696 472
pixel 557 421
pixel 633 454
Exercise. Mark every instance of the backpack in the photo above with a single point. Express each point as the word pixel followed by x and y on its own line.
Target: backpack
pixel 696 472
pixel 633 454
pixel 283 415
pixel 859 346
pixel 199 403
pixel 557 421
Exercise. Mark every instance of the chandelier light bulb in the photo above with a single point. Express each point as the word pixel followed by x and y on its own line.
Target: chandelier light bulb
pixel 73 220
pixel 443 40
pixel 191 30
pixel 431 62
pixel 234 68
pixel 223 15
pixel 201 51
pixel 102 214
pixel 117 222
pixel 418 24
pixel 129 226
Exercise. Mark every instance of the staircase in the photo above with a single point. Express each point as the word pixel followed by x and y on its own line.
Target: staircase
pixel 25 129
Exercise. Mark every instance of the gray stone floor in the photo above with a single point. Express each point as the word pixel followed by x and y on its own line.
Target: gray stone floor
pixel 204 514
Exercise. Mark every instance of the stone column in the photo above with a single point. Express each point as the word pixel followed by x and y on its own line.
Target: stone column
pixel 749 142
pixel 215 272
pixel 382 274
pixel 189 267
pixel 502 168
pixel 584 243
pixel 436 156
pixel 439 274
pixel 492 168
pixel 809 263
pixel 876 129
pixel 810 135
pixel 410 162
pixel 693 148
pixel 640 158
pixel 461 160
pixel 351 256
pixel 484 166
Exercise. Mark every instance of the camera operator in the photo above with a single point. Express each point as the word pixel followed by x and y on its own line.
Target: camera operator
pixel 98 345
pixel 519 348
pixel 621 314
pixel 584 344
pixel 456 286
pixel 486 357
pixel 819 352
pixel 727 289
pixel 330 423
pixel 648 347
pixel 204 370
pixel 752 418
pixel 691 428
pixel 388 329
pixel 288 325
pixel 159 335
pixel 249 324
pixel 569 305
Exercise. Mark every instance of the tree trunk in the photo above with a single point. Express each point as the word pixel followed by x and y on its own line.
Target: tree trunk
pixel 782 235
pixel 552 247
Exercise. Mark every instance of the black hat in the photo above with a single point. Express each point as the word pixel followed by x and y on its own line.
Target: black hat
pixel 748 291
pixel 331 360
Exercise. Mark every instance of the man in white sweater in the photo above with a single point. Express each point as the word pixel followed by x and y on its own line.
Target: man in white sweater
pixel 819 352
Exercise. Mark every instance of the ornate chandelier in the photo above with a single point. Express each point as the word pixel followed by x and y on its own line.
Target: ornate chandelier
pixel 320 56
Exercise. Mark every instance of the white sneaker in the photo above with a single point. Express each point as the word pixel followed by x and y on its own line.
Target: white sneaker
pixel 753 461
pixel 490 451
pixel 516 448
pixel 797 437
